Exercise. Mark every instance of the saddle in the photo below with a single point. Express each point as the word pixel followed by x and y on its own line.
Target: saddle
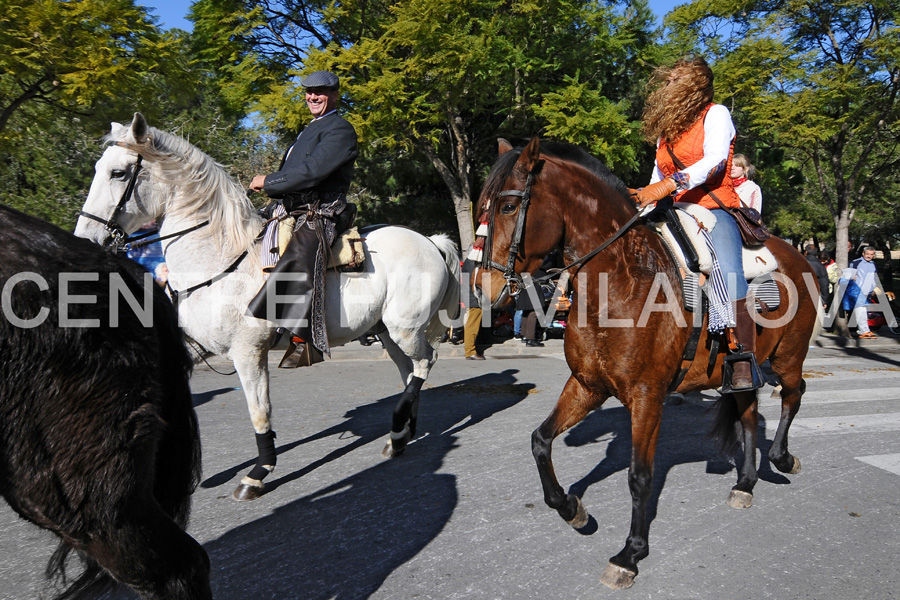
pixel 680 226
pixel 346 254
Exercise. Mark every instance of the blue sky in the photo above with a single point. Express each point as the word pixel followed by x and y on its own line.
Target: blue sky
pixel 171 13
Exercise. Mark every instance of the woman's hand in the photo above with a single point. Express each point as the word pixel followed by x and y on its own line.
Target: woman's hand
pixel 654 192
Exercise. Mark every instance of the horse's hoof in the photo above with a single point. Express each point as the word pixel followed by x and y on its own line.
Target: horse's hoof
pixel 581 515
pixel 796 468
pixel 739 499
pixel 616 577
pixel 245 492
pixel 396 444
pixel 392 451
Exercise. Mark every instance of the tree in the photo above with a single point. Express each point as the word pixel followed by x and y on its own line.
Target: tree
pixel 820 80
pixel 67 54
pixel 440 79
pixel 48 171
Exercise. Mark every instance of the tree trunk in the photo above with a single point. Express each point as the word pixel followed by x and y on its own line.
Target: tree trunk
pixel 841 234
pixel 465 223
pixel 458 179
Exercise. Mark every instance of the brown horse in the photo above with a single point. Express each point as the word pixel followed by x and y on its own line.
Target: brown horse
pixel 556 195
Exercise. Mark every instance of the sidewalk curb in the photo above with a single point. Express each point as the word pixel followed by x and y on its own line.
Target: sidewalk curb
pixel 507 348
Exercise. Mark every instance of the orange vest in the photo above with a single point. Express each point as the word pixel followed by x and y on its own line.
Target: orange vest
pixel 689 149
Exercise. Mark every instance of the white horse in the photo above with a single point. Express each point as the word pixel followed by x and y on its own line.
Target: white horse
pixel 407 292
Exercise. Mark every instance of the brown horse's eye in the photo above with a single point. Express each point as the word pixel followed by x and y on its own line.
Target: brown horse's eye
pixel 508 208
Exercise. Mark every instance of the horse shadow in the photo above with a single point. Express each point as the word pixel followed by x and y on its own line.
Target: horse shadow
pixel 344 540
pixel 683 438
pixel 199 399
pixel 370 422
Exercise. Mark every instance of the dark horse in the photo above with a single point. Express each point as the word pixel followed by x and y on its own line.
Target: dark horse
pixel 573 201
pixel 98 436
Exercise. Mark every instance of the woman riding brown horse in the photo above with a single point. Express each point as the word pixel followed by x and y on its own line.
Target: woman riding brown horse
pixel 552 195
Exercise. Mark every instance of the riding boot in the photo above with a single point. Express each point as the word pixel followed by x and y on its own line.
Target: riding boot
pixel 745 334
pixel 300 354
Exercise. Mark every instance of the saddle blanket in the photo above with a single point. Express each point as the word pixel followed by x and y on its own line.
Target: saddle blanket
pixel 346 251
pixel 757 261
pixel 764 290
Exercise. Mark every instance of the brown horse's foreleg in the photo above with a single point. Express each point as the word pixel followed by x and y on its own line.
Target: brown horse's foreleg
pixel 742 494
pixel 645 420
pixel 573 405
pixel 792 389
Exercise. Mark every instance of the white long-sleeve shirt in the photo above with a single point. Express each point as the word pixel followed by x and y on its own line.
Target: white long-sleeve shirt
pixel 718 131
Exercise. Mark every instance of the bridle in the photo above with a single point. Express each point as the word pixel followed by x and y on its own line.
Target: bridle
pixel 119 236
pixel 112 225
pixel 514 282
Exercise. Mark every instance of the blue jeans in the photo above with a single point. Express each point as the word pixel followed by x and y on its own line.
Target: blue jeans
pixel 726 239
pixel 517 322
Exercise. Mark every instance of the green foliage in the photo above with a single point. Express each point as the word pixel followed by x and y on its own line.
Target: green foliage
pixel 67 55
pixel 819 82
pixel 48 171
pixel 580 114
pixel 439 80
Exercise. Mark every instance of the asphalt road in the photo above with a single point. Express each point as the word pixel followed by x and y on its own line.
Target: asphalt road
pixel 461 514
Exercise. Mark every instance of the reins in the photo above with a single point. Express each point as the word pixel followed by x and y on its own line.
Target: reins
pixel 175 294
pixel 119 235
pixel 514 282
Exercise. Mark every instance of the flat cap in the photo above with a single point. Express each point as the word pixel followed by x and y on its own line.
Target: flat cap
pixel 321 79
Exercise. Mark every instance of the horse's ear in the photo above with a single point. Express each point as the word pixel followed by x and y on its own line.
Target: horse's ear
pixel 139 128
pixel 503 146
pixel 530 155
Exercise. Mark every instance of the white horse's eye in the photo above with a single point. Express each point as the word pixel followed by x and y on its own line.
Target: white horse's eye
pixel 117 174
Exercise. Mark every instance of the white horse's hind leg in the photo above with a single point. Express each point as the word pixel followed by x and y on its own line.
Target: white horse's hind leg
pixel 414 357
pixel 253 369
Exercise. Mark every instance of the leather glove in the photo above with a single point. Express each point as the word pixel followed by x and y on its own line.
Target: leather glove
pixel 654 191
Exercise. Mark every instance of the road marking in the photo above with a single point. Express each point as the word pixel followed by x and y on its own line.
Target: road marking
pixel 888 462
pixel 878 423
pixel 815 398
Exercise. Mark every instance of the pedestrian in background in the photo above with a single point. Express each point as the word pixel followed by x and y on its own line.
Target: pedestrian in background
pixel 473 312
pixel 863 275
pixel 742 175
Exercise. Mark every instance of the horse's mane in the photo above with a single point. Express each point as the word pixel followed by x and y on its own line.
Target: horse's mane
pixel 205 189
pixel 560 150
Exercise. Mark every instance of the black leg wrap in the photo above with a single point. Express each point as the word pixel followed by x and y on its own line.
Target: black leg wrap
pixel 265 444
pixel 403 411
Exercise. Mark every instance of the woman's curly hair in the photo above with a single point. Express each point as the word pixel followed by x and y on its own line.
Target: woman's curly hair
pixel 673 107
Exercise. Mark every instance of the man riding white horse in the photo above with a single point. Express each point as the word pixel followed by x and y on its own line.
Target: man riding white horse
pixel 311 183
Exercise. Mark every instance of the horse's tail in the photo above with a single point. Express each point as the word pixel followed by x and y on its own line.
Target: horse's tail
pixel 723 429
pixel 91 583
pixel 176 445
pixel 450 302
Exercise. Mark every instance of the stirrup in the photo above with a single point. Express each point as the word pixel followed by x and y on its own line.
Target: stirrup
pixel 756 373
pixel 303 355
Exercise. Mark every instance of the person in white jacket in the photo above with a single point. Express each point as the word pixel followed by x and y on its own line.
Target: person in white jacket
pixel 742 175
